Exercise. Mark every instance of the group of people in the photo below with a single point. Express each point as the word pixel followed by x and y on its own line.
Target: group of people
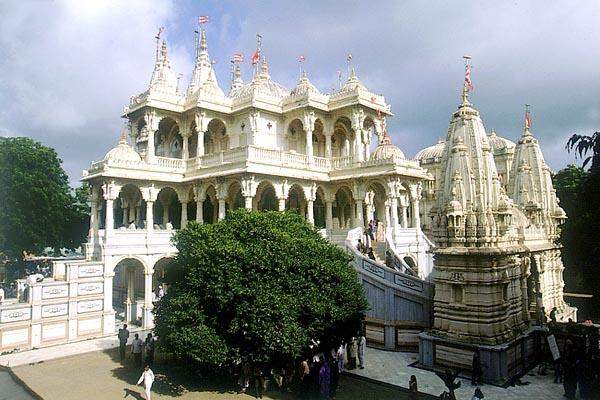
pixel 579 359
pixel 373 233
pixel 316 374
pixel 139 349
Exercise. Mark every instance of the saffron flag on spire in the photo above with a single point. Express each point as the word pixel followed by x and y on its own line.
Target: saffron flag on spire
pixel 203 19
pixel 213 62
pixel 238 57
pixel 349 57
pixel 160 30
pixel 301 58
pixel 527 119
pixel 256 57
pixel 468 82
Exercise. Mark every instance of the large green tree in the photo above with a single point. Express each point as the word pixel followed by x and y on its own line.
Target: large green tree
pixel 37 208
pixel 258 285
pixel 579 191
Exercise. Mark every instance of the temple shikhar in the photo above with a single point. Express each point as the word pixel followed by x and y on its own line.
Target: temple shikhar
pixel 466 256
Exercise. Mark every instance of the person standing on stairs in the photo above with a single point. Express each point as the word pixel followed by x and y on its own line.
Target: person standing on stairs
pixel 379 230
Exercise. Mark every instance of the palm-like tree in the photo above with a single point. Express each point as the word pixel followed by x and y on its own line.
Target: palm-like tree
pixel 582 145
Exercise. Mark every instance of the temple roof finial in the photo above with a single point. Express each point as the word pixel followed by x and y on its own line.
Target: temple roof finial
pixel 527 122
pixel 468 85
pixel 203 41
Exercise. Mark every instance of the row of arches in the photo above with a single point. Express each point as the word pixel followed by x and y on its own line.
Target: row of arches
pixel 169 141
pixel 331 208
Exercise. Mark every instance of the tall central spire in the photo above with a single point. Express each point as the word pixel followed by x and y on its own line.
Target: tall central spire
pixel 203 67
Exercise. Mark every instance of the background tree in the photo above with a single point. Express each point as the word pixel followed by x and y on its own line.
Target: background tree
pixel 259 285
pixel 580 233
pixel 37 208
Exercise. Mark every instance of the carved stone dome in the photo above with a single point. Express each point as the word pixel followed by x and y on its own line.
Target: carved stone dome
pixel 386 149
pixel 500 144
pixel 431 152
pixel 123 152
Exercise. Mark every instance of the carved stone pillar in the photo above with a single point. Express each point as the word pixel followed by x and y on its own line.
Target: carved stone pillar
pixel 358 150
pixel 200 211
pixel 221 208
pixel 329 214
pixel 403 213
pixel 149 216
pixel 359 214
pixel 248 191
pixel 310 216
pixel 130 299
pixel 328 152
pixel 93 233
pixel 309 147
pixel 147 320
pixel 109 223
pixel 415 197
pixel 184 214
pixel 281 204
pixel 394 212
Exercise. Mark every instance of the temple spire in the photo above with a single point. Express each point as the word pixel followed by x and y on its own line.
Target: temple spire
pixel 203 66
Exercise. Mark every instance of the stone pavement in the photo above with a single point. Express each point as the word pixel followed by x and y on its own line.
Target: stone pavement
pixel 100 375
pixel 394 368
pixel 65 350
pixel 92 368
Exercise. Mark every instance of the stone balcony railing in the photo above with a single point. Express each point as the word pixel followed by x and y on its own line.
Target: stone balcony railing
pixel 254 154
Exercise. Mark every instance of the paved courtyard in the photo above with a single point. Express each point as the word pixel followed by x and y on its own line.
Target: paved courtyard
pixel 394 368
pixel 91 370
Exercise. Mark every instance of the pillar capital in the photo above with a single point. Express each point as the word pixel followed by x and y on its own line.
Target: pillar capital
pixel 201 121
pixel 310 191
pixel 249 186
pixel 415 190
pixel 281 190
pixel 111 190
pixel 358 190
pixel 149 193
pixel 309 121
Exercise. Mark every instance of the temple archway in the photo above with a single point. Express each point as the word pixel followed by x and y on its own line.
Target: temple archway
pixel 130 212
pixel 210 206
pixel 295 137
pixel 216 138
pixel 342 139
pixel 296 200
pixel 343 209
pixel 167 210
pixel 167 139
pixel 128 291
pixel 265 199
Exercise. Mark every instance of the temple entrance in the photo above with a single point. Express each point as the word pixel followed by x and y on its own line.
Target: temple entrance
pixel 128 291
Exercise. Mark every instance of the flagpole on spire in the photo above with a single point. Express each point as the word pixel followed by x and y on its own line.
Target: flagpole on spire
pixel 348 62
pixel 301 60
pixel 157 37
pixel 256 57
pixel 527 123
pixel 468 85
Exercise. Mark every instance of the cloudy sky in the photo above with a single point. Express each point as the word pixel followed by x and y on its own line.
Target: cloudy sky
pixel 67 68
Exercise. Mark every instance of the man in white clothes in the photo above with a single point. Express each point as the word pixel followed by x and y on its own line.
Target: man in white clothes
pixel 362 343
pixel 148 379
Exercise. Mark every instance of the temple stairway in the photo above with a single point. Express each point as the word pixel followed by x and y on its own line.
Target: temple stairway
pixel 379 251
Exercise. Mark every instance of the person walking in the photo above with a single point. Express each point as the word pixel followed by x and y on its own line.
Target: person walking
pixel 413 390
pixel 324 379
pixel 334 377
pixel 477 374
pixel 149 349
pixel 341 355
pixel 123 336
pixel 148 379
pixel 136 349
pixel 361 344
pixel 259 381
pixel 352 353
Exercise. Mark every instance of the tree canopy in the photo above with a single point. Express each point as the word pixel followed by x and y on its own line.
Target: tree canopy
pixel 579 191
pixel 259 285
pixel 37 208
